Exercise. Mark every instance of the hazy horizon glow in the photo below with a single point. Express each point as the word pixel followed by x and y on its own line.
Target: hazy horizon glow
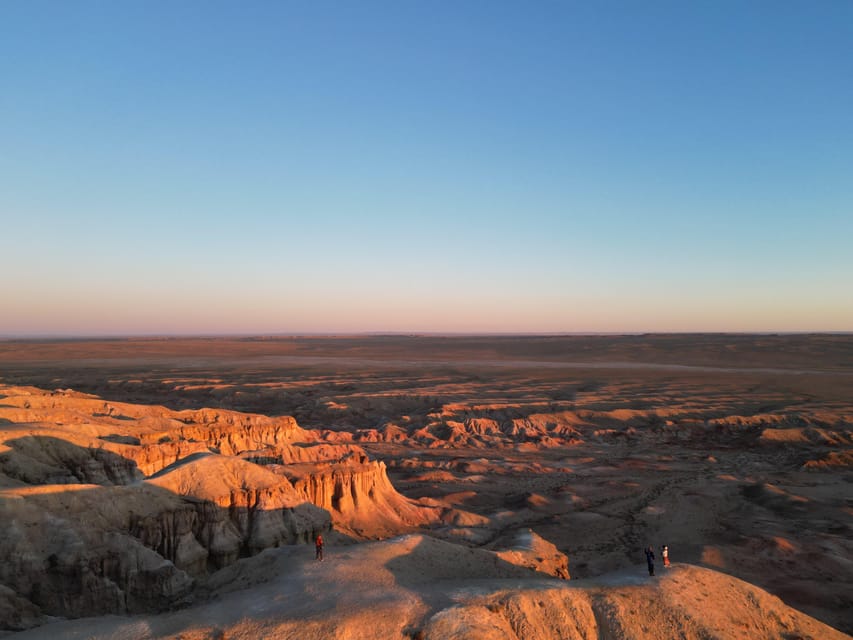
pixel 205 168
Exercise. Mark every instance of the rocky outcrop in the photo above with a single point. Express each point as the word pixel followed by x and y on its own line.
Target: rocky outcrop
pixel 362 499
pixel 675 607
pixel 241 508
pixel 153 458
pixel 118 508
pixel 48 457
pixel 459 425
pixel 302 453
pixel 387 433
pixel 230 432
pixel 832 460
pixel 537 554
pixel 77 550
pixel 510 426
pixel 18 613
pixel 69 552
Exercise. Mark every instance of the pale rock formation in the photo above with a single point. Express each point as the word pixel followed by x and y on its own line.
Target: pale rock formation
pixel 114 507
pixel 361 499
pixel 255 508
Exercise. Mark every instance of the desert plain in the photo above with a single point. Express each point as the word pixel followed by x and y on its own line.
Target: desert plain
pixel 466 487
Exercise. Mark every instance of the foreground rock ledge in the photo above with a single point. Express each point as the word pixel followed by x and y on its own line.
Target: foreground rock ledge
pixel 419 587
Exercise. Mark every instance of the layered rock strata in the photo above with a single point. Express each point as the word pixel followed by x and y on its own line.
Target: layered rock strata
pixel 114 507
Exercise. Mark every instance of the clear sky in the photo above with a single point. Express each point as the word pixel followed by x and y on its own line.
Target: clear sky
pixel 278 167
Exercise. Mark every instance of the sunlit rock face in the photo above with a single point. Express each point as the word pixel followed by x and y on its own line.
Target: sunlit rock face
pixel 114 507
pixel 361 499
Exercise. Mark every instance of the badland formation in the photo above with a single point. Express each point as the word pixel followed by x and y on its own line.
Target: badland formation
pixel 471 488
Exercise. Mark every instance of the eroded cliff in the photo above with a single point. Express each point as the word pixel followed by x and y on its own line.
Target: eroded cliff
pixel 114 507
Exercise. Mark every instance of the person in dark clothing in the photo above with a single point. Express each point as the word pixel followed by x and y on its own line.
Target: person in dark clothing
pixel 650 560
pixel 318 545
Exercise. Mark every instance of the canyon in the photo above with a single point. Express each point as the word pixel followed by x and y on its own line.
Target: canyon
pixel 150 478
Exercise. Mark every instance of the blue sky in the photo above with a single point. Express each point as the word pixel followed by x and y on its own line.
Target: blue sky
pixel 275 167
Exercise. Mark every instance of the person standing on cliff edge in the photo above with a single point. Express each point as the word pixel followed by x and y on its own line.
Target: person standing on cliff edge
pixel 318 545
pixel 650 560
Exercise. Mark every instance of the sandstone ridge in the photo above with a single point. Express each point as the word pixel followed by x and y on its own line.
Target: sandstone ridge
pixel 115 507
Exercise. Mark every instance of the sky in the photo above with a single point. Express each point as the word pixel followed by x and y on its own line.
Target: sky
pixel 205 167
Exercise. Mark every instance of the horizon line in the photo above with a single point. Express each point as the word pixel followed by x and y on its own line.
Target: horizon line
pixel 399 334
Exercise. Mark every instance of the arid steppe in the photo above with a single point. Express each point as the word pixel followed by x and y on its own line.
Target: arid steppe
pixel 459 482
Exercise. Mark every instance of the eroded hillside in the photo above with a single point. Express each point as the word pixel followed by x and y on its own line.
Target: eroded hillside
pixel 112 507
pixel 733 450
